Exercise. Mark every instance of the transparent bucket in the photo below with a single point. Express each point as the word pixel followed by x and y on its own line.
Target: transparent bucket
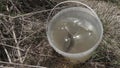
pixel 74 9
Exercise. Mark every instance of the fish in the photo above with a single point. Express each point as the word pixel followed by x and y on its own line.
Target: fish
pixel 69 41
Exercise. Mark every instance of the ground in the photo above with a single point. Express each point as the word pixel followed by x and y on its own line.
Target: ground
pixel 23 35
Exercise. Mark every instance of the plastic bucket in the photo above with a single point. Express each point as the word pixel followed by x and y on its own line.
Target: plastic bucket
pixel 81 56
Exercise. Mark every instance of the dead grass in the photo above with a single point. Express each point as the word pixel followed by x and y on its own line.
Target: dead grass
pixel 23 36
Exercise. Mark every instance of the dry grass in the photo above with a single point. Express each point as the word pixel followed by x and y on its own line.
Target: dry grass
pixel 23 36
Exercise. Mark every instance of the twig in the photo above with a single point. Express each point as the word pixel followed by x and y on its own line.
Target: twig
pixel 19 54
pixel 9 31
pixel 31 34
pixel 6 67
pixel 6 27
pixel 11 46
pixel 2 15
pixel 9 59
pixel 27 14
pixel 14 36
pixel 20 49
pixel 14 6
pixel 32 13
pixel 31 22
pixel 26 54
pixel 9 38
pixel 22 65
pixel 49 3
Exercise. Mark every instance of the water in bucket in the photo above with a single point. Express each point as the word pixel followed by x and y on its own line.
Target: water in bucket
pixel 74 31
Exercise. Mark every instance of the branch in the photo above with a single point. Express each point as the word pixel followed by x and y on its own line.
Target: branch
pixel 32 13
pixel 18 51
pixel 11 46
pixel 26 54
pixel 14 6
pixel 2 15
pixel 22 64
pixel 9 59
